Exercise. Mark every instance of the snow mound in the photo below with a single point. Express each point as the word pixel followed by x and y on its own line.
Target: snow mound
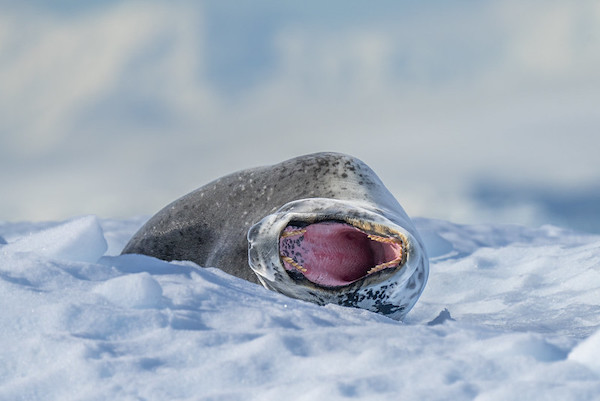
pixel 132 291
pixel 79 239
pixel 509 313
pixel 588 352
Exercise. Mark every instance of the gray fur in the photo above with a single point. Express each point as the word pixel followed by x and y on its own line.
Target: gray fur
pixel 213 226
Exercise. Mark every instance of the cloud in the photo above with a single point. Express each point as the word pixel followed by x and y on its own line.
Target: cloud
pixel 552 41
pixel 58 70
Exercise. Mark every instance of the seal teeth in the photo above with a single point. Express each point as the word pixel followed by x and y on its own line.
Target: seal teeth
pixel 387 240
pixel 385 265
pixel 293 233
pixel 293 263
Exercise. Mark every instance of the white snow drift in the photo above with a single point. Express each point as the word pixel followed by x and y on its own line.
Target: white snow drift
pixel 79 322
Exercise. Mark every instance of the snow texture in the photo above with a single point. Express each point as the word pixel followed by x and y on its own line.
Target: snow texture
pixel 509 313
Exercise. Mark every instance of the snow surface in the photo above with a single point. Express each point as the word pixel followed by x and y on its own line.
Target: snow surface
pixel 509 313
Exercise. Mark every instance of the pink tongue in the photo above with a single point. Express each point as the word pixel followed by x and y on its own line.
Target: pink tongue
pixel 331 254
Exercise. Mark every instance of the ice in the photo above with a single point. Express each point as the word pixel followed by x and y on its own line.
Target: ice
pixel 509 313
pixel 441 318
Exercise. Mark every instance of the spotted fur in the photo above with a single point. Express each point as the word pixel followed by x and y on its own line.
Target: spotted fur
pixel 234 224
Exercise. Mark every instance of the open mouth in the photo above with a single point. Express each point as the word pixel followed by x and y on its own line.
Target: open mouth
pixel 333 254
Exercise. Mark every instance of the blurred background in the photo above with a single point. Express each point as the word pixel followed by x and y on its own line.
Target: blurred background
pixel 475 112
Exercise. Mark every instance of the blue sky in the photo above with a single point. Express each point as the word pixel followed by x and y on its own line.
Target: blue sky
pixel 117 108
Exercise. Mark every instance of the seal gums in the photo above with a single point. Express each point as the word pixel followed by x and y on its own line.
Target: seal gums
pixel 333 254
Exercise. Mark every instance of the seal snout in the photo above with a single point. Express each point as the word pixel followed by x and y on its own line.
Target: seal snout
pixel 333 254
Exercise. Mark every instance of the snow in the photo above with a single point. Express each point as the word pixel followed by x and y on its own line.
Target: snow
pixel 132 291
pixel 509 313
pixel 588 352
pixel 77 240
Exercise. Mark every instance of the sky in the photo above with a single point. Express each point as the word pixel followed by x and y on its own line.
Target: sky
pixel 471 112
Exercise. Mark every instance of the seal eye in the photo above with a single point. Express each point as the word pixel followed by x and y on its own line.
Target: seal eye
pixel 333 254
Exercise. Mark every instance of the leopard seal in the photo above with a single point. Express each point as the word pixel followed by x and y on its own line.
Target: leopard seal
pixel 321 227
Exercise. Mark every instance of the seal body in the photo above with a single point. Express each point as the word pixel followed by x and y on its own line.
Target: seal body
pixel 320 227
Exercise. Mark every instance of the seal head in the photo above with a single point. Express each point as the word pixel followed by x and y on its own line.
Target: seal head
pixel 341 252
